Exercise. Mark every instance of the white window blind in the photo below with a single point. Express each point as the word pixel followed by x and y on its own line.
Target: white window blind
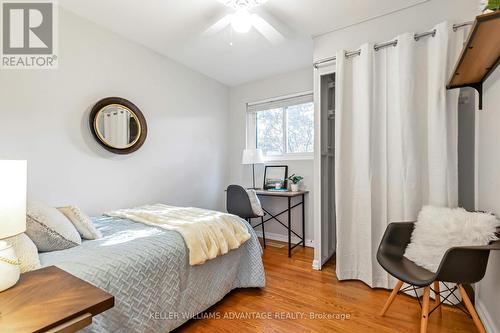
pixel 280 103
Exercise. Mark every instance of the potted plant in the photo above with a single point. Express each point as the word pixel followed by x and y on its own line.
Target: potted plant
pixel 295 179
pixel 488 6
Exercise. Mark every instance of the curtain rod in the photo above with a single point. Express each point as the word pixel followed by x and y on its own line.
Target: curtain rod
pixel 394 42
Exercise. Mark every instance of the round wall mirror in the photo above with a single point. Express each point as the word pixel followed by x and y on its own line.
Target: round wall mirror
pixel 118 125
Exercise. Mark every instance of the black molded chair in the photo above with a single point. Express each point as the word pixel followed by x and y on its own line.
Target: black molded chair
pixel 238 203
pixel 460 265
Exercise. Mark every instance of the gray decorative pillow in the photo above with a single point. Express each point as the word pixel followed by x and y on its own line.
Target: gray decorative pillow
pixel 26 252
pixel 49 229
pixel 81 221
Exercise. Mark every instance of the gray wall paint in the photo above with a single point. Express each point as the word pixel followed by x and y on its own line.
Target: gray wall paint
pixel 466 149
pixel 44 119
pixel 489 191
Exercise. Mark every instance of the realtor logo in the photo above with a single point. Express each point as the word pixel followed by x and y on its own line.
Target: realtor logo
pixel 28 35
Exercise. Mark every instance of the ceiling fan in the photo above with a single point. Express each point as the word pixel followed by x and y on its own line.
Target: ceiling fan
pixel 242 20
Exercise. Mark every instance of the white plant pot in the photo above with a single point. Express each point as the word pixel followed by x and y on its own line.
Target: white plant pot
pixel 294 187
pixel 9 273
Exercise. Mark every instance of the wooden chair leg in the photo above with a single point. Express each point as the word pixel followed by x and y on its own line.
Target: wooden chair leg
pixel 470 308
pixel 391 297
pixel 425 310
pixel 438 298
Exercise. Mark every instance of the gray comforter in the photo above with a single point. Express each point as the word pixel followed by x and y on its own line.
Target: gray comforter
pixel 147 271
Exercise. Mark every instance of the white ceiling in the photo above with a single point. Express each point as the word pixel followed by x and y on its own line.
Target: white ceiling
pixel 174 28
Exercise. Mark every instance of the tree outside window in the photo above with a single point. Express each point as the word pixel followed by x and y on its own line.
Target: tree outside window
pixel 285 131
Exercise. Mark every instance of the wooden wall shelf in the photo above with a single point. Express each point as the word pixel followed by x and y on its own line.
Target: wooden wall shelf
pixel 480 55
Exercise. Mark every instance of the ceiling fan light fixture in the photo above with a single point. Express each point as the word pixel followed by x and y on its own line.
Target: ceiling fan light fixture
pixel 242 4
pixel 241 21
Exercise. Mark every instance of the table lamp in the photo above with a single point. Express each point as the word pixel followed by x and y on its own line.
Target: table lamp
pixel 253 156
pixel 12 217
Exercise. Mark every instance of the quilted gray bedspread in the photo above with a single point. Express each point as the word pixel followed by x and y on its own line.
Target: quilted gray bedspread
pixel 147 270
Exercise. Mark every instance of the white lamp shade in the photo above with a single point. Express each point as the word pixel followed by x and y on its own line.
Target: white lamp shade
pixel 252 156
pixel 13 178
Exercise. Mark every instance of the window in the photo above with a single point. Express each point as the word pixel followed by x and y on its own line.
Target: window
pixel 283 128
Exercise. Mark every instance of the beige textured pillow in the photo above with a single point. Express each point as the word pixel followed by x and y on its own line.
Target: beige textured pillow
pixel 49 229
pixel 255 203
pixel 26 252
pixel 81 221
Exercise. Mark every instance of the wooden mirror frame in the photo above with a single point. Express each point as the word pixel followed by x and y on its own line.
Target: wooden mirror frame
pixel 128 105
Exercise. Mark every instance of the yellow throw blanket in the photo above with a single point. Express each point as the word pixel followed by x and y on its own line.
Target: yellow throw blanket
pixel 207 233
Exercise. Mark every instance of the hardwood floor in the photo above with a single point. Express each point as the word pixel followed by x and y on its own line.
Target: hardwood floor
pixel 294 290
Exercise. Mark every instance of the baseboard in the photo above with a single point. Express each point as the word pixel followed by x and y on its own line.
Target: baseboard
pixel 284 238
pixel 488 322
pixel 317 265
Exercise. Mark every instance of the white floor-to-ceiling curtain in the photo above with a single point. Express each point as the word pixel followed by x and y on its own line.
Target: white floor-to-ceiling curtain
pixel 396 143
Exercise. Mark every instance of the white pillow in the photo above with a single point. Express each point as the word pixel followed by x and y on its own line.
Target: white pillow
pixel 255 203
pixel 26 252
pixel 81 221
pixel 438 229
pixel 49 229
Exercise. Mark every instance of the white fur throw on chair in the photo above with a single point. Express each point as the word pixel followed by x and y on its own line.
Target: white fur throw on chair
pixel 438 229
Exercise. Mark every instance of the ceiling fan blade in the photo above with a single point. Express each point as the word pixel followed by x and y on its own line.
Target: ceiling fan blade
pixel 266 29
pixel 218 26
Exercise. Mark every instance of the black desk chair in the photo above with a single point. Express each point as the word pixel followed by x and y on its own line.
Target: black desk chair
pixel 238 203
pixel 460 265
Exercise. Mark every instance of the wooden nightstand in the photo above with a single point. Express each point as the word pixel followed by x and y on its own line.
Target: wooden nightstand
pixel 51 300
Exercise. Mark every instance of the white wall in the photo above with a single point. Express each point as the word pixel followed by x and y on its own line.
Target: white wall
pixel 489 193
pixel 416 19
pixel 44 119
pixel 293 82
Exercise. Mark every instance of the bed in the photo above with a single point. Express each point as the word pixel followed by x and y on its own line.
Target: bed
pixel 146 268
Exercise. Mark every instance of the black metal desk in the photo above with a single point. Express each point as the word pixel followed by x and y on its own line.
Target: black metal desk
pixel 288 195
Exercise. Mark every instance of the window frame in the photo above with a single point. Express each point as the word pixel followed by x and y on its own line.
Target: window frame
pixel 251 128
